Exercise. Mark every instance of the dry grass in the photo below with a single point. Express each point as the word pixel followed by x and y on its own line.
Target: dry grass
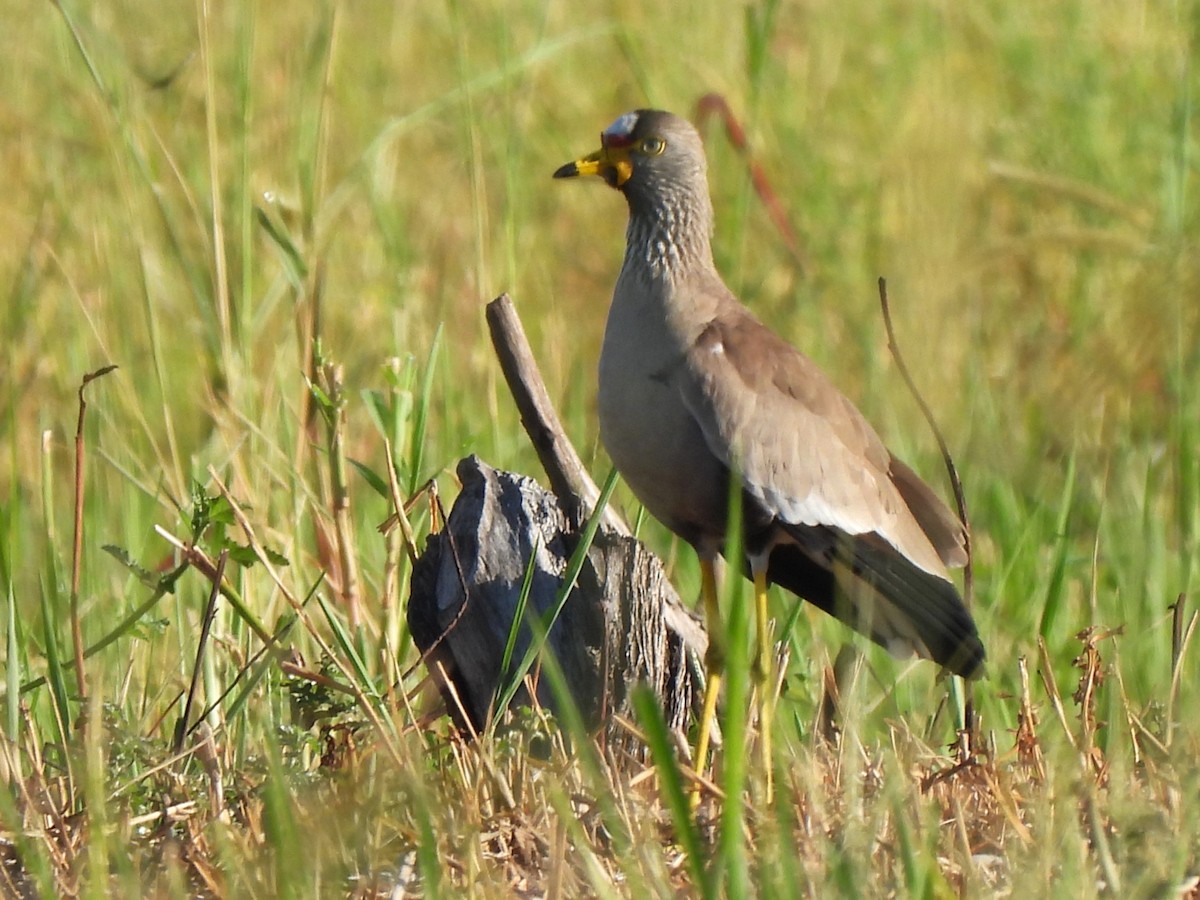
pixel 516 814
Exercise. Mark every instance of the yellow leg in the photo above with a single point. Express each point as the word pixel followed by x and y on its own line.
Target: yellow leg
pixel 762 674
pixel 714 663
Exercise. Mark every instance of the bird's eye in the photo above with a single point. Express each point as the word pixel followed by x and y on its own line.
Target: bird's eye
pixel 652 146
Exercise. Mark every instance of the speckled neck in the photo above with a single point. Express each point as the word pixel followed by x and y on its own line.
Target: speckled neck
pixel 669 237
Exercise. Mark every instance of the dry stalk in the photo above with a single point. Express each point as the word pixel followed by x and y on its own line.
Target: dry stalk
pixel 1029 749
pixel 77 543
pixel 716 105
pixel 968 739
pixel 1050 684
pixel 335 423
pixel 1092 677
pixel 1181 639
pixel 402 510
pixel 435 509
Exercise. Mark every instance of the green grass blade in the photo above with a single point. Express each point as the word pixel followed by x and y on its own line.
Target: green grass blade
pixel 662 749
pixel 421 416
pixel 574 566
pixel 346 645
pixel 55 676
pixel 514 629
pixel 1055 586
pixel 12 670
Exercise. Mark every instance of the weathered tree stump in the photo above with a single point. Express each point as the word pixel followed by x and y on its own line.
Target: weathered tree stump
pixel 621 625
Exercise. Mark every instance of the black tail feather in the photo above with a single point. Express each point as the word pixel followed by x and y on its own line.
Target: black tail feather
pixel 930 606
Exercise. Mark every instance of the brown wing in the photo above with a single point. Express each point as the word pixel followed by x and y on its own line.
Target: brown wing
pixel 943 528
pixel 802 448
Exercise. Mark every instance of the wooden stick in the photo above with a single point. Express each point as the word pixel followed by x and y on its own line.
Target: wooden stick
pixel 569 479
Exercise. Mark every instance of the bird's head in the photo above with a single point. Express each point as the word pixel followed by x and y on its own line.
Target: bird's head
pixel 645 154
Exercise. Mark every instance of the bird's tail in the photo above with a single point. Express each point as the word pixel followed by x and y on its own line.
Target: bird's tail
pixel 873 589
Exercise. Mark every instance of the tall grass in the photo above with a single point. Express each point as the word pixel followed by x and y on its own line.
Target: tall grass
pixel 197 192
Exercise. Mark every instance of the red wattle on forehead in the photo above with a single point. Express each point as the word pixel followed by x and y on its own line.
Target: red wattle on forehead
pixel 620 132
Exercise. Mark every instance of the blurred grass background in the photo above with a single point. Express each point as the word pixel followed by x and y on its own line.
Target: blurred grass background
pixel 183 181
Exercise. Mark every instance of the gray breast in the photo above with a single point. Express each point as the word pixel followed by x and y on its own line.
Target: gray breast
pixel 648 431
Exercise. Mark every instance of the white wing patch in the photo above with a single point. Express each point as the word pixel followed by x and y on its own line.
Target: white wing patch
pixel 813 509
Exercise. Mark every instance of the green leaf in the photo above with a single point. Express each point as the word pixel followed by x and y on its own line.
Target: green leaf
pixel 378 484
pixel 145 576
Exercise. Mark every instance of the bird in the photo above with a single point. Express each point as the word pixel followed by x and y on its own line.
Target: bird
pixel 694 390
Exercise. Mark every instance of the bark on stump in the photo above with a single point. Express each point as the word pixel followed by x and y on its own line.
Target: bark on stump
pixel 622 625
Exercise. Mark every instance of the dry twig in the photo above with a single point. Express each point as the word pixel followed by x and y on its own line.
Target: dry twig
pixel 77 544
pixel 960 499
